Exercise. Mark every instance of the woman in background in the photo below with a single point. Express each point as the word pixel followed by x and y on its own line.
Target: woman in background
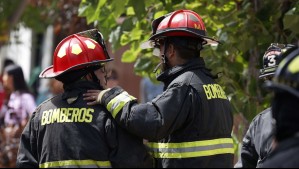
pixel 16 112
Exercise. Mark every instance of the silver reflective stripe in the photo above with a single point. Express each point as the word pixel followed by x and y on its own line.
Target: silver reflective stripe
pixel 76 164
pixel 192 149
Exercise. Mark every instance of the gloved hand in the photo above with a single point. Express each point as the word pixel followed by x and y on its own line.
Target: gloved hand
pixel 113 99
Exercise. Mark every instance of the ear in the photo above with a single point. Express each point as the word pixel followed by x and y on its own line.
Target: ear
pixel 88 77
pixel 171 51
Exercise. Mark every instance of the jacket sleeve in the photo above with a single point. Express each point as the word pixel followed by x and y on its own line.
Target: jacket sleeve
pixel 248 157
pixel 153 120
pixel 27 154
pixel 127 150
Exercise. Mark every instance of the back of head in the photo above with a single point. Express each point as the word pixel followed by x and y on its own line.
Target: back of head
pixel 285 85
pixel 8 62
pixel 184 29
pixel 18 77
pixel 187 47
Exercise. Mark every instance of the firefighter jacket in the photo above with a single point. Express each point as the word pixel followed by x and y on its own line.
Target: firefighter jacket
pixel 64 132
pixel 188 125
pixel 285 155
pixel 257 143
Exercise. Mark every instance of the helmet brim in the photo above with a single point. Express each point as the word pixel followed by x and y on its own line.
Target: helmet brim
pixel 150 43
pixel 210 41
pixel 49 73
pixel 266 74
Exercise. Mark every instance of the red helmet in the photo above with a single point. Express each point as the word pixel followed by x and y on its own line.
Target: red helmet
pixel 75 52
pixel 180 23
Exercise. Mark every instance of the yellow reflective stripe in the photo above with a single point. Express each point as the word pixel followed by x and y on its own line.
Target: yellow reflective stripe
pixel 191 144
pixel 75 163
pixel 194 154
pixel 117 103
pixel 294 66
pixel 192 149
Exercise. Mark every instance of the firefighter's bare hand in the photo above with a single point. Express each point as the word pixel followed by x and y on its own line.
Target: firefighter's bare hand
pixel 92 97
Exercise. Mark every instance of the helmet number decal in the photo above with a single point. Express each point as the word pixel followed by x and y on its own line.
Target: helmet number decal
pixel 272 61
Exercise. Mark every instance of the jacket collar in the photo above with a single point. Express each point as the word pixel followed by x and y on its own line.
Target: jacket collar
pixel 72 91
pixel 167 76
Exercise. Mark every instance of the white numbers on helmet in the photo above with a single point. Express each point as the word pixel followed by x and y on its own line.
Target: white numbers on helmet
pixel 272 61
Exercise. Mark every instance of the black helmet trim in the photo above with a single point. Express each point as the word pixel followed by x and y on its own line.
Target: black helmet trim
pixel 97 36
pixel 191 31
pixel 157 21
pixel 267 71
pixel 80 66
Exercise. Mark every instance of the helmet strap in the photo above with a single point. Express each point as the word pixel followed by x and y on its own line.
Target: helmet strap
pixel 95 78
pixel 164 58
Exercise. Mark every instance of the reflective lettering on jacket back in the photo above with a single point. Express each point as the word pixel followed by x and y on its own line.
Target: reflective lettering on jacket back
pixel 67 115
pixel 214 91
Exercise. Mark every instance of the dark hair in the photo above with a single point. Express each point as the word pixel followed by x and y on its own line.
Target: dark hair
pixel 8 62
pixel 18 77
pixel 187 47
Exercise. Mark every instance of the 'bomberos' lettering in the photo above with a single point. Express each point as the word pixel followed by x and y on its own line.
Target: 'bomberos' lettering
pixel 67 115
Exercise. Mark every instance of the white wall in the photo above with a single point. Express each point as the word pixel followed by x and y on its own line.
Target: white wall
pixel 47 56
pixel 19 50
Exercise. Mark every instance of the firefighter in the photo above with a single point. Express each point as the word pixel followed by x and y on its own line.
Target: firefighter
pixel 190 123
pixel 63 131
pixel 258 140
pixel 285 85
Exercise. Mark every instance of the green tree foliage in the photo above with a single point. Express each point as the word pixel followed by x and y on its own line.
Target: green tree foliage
pixel 245 27
pixel 38 15
pixel 9 14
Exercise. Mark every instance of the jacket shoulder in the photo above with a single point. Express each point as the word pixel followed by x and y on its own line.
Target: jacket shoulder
pixel 265 114
pixel 183 79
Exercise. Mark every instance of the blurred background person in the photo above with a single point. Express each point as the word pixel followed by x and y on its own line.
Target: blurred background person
pixel 54 87
pixel 149 90
pixel 3 96
pixel 3 100
pixel 16 112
